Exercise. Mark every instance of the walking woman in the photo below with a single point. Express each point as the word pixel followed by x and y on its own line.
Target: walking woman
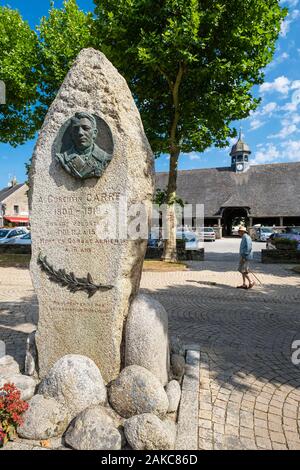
pixel 245 257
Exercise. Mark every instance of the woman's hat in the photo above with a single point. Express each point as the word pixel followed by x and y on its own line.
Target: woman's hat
pixel 242 228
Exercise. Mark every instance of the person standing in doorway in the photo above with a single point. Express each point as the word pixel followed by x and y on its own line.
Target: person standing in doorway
pixel 245 257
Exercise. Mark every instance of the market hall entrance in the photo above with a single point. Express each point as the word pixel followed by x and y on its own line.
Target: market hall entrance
pixel 233 217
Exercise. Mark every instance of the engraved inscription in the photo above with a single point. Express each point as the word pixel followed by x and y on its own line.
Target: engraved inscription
pixel 74 220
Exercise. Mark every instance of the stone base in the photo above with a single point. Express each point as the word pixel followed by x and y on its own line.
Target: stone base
pixel 188 414
pixel 15 249
pixel 280 256
pixel 183 255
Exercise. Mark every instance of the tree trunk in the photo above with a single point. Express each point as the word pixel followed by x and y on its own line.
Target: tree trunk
pixel 170 252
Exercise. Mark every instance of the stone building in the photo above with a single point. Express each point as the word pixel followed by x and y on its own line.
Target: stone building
pixel 259 194
pixel 14 209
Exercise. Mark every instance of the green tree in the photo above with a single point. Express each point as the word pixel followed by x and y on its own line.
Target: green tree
pixel 62 35
pixel 18 70
pixel 191 65
pixel 34 64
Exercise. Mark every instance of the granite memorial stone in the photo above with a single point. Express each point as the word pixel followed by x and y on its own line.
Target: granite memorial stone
pixel 91 156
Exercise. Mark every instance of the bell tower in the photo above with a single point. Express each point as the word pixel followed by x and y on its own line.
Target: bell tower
pixel 240 155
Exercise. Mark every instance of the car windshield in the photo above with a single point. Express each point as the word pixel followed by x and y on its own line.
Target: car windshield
pixel 3 233
pixel 208 229
pixel 26 237
pixel 295 230
pixel 266 230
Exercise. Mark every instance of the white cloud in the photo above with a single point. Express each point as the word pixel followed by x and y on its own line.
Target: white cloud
pixel 256 124
pixel 268 154
pixel 283 86
pixel 292 145
pixel 295 85
pixel 290 107
pixel 194 156
pixel 280 84
pixel 295 118
pixel 291 150
pixel 293 105
pixel 289 3
pixel 290 18
pixel 286 130
pixel 269 108
pixel 278 60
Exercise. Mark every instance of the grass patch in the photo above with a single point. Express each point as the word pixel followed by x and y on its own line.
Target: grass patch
pixel 163 266
pixel 296 269
pixel 14 261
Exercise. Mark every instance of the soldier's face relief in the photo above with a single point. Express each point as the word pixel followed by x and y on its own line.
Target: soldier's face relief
pixel 83 134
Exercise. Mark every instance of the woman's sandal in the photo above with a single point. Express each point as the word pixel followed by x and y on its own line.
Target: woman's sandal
pixel 242 287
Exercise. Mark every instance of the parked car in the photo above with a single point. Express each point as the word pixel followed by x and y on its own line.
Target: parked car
pixel 294 230
pixel 235 230
pixel 208 234
pixel 22 240
pixel 262 234
pixel 155 243
pixel 7 234
pixel 192 240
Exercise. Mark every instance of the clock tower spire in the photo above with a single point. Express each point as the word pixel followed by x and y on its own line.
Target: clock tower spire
pixel 240 155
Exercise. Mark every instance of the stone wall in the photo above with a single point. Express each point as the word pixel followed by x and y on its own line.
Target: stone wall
pixel 183 255
pixel 280 256
pixel 15 249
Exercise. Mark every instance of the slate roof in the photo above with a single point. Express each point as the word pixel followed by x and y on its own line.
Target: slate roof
pixel 240 146
pixel 8 191
pixel 267 190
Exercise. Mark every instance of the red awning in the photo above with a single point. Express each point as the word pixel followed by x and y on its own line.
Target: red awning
pixel 16 219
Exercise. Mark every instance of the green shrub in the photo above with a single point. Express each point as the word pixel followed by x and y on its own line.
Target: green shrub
pixel 285 244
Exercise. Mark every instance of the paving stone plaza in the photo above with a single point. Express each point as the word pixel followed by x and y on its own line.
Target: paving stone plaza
pixel 249 388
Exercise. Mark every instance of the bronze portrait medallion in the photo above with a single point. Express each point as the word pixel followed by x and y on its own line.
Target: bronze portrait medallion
pixel 86 146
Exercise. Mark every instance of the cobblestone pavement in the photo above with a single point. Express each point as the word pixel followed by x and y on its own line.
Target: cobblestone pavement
pixel 249 388
pixel 18 311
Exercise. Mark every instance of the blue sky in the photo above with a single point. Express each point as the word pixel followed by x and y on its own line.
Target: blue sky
pixel 272 131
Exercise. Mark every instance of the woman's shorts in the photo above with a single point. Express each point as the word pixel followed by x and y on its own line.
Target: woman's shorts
pixel 243 266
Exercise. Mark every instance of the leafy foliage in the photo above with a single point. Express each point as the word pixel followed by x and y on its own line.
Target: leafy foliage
pixel 62 35
pixel 11 409
pixel 161 197
pixel 191 65
pixel 18 70
pixel 34 64
pixel 217 48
